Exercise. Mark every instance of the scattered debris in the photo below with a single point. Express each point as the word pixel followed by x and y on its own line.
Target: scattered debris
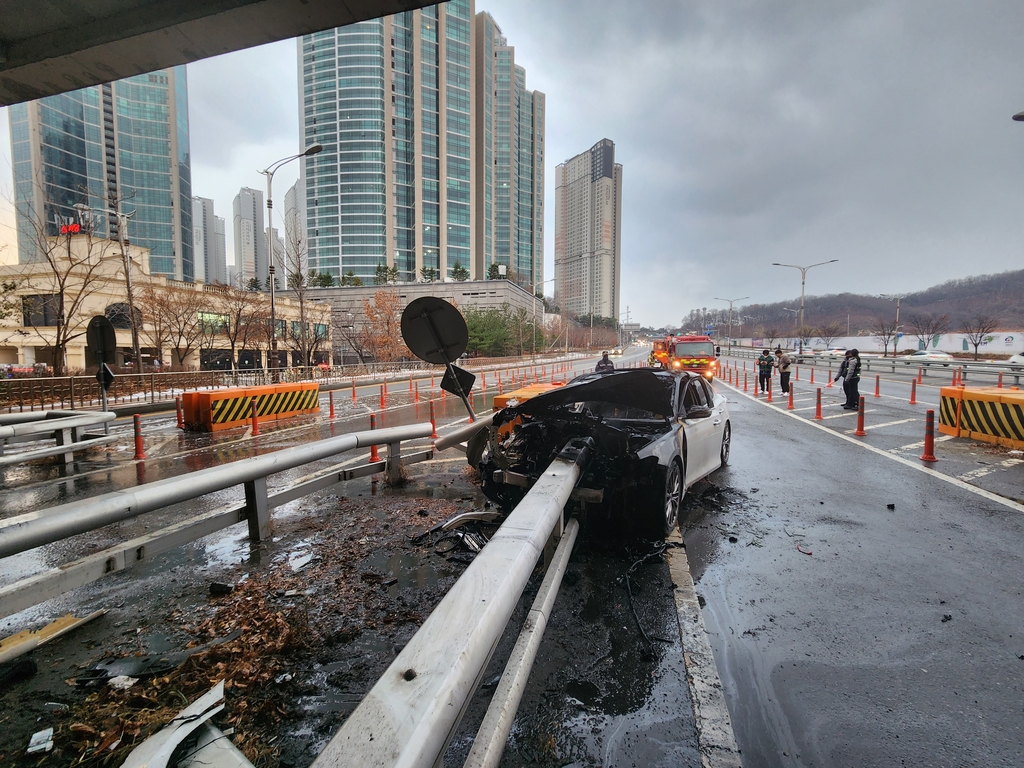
pixel 890 506
pixel 156 750
pixel 803 550
pixel 14 646
pixel 947 617
pixel 733 539
pixel 143 666
pixel 122 682
pixel 41 741
pixel 795 533
pixel 16 672
pixel 219 589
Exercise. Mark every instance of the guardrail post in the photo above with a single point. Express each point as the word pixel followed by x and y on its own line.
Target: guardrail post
pixel 393 465
pixel 257 509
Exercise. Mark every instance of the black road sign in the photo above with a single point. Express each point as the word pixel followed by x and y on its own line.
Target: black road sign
pixel 100 338
pixel 434 330
pixel 457 380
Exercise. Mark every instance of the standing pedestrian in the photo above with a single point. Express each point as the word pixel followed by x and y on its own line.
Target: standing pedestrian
pixel 851 384
pixel 784 363
pixel 765 367
pixel 604 364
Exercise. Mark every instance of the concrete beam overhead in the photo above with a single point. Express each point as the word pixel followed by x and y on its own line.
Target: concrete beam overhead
pixel 53 46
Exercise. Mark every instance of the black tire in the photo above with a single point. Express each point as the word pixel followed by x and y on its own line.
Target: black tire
pixel 665 515
pixel 726 444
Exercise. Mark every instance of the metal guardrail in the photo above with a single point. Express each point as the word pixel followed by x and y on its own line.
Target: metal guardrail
pixel 34 529
pixel 62 426
pixel 981 372
pixel 410 714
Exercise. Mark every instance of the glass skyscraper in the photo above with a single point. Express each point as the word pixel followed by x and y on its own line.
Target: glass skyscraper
pixel 123 143
pixel 510 180
pixel 393 103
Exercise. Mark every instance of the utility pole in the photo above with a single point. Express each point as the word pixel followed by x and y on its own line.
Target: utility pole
pixel 731 301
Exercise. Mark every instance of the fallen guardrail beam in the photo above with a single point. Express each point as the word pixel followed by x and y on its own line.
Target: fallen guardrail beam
pixel 64 427
pixel 410 714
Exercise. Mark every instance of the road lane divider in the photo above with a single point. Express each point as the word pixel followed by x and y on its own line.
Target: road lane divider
pixel 214 410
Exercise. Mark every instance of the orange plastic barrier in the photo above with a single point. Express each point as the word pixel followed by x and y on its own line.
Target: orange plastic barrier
pixel 988 414
pixel 213 410
pixel 525 393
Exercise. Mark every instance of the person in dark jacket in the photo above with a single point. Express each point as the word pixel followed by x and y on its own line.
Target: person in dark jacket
pixel 604 364
pixel 765 368
pixel 849 372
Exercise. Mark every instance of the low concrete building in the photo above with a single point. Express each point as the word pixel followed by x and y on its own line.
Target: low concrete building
pixel 347 302
pixel 47 305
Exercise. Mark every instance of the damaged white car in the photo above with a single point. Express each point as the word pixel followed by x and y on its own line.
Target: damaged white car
pixel 655 434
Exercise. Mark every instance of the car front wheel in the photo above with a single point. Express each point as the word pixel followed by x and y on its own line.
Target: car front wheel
pixel 665 520
pixel 726 444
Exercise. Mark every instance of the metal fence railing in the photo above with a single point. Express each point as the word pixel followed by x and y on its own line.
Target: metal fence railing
pixel 78 392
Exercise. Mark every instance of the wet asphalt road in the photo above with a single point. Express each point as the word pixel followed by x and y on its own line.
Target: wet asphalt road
pixel 899 640
pixel 896 641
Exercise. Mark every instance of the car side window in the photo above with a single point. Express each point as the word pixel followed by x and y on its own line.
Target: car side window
pixel 693 397
pixel 709 392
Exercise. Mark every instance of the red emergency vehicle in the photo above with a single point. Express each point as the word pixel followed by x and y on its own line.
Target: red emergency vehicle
pixel 692 353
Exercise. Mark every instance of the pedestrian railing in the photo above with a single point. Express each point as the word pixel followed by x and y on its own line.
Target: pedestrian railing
pixel 34 529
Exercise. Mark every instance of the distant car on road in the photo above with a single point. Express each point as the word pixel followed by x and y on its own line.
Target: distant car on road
pixel 1016 362
pixel 931 355
pixel 832 352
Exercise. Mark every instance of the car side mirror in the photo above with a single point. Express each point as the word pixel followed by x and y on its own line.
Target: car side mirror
pixel 698 413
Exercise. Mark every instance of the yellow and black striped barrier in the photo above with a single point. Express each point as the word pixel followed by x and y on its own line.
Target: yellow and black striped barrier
pixel 989 414
pixel 210 411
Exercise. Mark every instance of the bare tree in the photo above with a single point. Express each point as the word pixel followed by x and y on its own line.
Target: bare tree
pixel 75 271
pixel 304 337
pixel 805 333
pixel 926 327
pixel 884 329
pixel 382 334
pixel 354 337
pixel 156 325
pixel 978 329
pixel 829 332
pixel 770 335
pixel 246 318
pixel 184 308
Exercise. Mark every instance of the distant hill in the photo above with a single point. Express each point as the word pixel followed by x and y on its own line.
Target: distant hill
pixel 1000 296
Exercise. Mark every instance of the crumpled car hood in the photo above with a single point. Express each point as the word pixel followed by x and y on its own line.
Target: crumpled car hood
pixel 643 389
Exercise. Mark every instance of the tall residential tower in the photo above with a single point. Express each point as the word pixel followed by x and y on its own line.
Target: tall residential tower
pixel 588 232
pixel 86 152
pixel 396 104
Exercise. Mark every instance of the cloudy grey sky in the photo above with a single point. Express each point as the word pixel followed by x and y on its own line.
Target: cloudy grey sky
pixel 877 133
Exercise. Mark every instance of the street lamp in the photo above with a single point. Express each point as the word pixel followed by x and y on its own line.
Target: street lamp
pixel 741 298
pixel 795 313
pixel 126 263
pixel 896 297
pixel 803 283
pixel 269 172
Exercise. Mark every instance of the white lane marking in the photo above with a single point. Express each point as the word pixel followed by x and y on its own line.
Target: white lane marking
pixel 920 444
pixel 918 465
pixel 848 413
pixel 1011 462
pixel 974 474
pixel 889 424
pixel 805 409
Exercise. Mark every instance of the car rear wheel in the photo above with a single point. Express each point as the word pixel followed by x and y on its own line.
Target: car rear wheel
pixel 726 444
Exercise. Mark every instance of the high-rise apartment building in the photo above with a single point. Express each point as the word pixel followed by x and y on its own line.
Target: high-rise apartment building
pixel 80 155
pixel 588 233
pixel 394 103
pixel 210 262
pixel 509 220
pixel 250 237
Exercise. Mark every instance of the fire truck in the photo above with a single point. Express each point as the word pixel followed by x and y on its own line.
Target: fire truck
pixel 688 353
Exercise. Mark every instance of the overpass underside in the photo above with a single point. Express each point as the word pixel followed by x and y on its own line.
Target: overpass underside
pixel 53 46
